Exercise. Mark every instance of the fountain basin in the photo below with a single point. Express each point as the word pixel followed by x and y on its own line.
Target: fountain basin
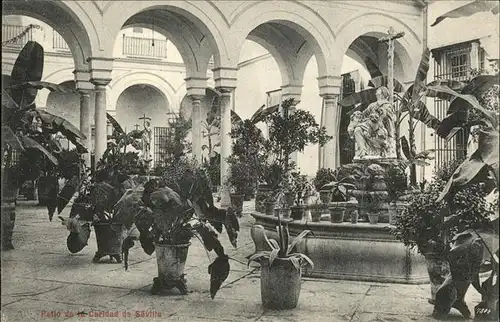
pixel 359 252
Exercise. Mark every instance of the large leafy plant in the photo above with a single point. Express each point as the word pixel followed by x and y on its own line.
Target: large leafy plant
pixel 172 210
pixel 25 127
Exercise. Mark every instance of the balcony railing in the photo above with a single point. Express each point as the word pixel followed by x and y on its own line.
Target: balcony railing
pixel 11 31
pixel 143 47
pixel 58 42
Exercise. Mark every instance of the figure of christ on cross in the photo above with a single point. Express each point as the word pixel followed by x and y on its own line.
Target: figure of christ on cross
pixel 389 39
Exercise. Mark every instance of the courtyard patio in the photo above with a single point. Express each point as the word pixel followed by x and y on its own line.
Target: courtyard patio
pixel 41 280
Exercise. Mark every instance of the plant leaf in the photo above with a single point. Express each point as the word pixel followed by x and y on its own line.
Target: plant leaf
pixel 8 137
pixel 261 114
pixel 297 239
pixel 468 10
pixel 44 85
pixel 384 81
pixel 365 97
pixel 54 124
pixel 304 257
pixel 423 68
pixel 257 256
pixel 219 271
pixel 28 67
pixel 29 143
pixel 116 126
pixel 486 155
pixel 273 256
pixel 295 263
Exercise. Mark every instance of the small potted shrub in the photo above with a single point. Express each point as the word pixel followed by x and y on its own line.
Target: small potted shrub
pixel 238 182
pixel 316 207
pixel 323 176
pixel 397 184
pixel 352 210
pixel 339 190
pixel 302 189
pixel 281 269
pixel 373 208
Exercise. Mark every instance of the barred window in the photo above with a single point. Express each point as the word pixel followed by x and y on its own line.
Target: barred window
pixel 459 65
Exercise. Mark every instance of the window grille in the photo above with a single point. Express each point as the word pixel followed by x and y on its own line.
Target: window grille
pixel 450 63
pixel 459 65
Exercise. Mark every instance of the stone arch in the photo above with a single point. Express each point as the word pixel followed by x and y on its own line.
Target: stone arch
pixel 200 17
pixel 119 84
pixel 408 48
pixel 297 16
pixel 62 18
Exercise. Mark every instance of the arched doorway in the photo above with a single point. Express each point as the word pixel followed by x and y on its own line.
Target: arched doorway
pixel 138 101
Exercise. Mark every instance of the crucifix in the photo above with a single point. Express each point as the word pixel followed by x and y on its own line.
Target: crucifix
pixel 144 118
pixel 389 39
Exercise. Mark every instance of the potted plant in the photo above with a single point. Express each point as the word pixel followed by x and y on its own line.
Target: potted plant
pixel 373 203
pixel 339 196
pixel 397 185
pixel 167 218
pixel 281 269
pixel 352 212
pixel 324 176
pixel 238 181
pixel 316 207
pixel 302 189
pixel 27 130
pixel 249 147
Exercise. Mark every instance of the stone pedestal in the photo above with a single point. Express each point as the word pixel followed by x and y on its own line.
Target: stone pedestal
pixel 371 185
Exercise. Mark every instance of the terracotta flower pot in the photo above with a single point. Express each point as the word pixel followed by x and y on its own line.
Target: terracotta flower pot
pixel 373 218
pixel 316 215
pixel 297 212
pixel 279 284
pixel 437 268
pixel 171 261
pixel 109 241
pixel 337 214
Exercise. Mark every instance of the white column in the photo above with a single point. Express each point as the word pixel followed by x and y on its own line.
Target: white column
pixel 85 87
pixel 196 118
pixel 85 121
pixel 331 151
pixel 100 76
pixel 100 120
pixel 226 143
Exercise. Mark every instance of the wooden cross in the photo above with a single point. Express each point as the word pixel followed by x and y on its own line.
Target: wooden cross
pixel 144 118
pixel 389 39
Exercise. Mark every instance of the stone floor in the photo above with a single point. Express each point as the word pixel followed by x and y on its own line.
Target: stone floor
pixel 41 281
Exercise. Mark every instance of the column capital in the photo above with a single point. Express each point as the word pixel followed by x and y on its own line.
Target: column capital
pixel 225 90
pixel 82 80
pixel 291 91
pixel 330 97
pixel 100 70
pixel 196 86
pixel 225 77
pixel 329 85
pixel 196 98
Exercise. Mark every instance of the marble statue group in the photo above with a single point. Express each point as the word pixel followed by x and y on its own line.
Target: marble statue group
pixel 374 128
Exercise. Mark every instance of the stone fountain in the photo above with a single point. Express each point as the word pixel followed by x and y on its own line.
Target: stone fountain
pixel 363 251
